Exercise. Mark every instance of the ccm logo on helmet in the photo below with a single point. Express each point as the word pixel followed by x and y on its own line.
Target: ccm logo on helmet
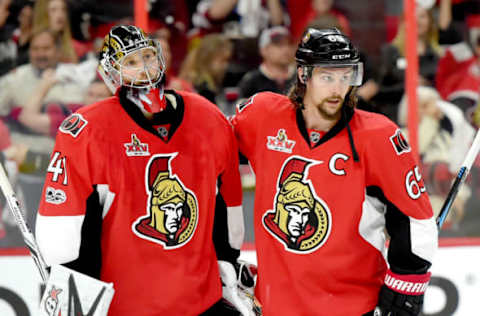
pixel 344 56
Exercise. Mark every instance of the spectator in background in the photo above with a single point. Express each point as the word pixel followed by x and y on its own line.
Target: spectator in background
pixel 172 81
pixel 277 70
pixel 172 19
pixel 392 70
pixel 16 88
pixel 205 66
pixel 302 12
pixel 458 75
pixel 458 72
pixel 7 46
pixel 242 21
pixel 12 155
pixel 23 33
pixel 444 138
pixel 236 18
pixel 46 118
pixel 53 14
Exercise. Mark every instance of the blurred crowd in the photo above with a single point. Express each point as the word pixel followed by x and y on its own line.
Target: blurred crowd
pixel 228 50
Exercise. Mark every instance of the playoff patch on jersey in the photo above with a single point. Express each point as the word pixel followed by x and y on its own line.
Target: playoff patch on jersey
pixel 172 209
pixel 280 142
pixel 300 219
pixel 399 143
pixel 136 147
pixel 73 124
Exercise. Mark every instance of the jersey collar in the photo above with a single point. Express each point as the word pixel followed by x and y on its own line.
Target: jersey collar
pixel 171 116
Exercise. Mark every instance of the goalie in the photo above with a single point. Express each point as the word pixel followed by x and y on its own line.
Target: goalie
pixel 131 191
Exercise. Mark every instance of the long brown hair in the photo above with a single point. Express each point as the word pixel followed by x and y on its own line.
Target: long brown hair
pixel 399 41
pixel 41 21
pixel 196 68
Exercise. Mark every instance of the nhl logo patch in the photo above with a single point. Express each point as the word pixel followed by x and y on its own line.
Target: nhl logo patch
pixel 399 143
pixel 280 142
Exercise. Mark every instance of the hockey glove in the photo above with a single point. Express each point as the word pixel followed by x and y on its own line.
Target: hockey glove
pixel 238 286
pixel 402 294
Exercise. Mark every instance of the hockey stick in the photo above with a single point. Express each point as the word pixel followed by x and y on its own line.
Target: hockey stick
pixel 22 225
pixel 461 176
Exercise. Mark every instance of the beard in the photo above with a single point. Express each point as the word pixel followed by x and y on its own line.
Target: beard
pixel 327 112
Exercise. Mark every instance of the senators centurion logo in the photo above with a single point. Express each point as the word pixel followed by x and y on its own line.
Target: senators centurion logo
pixel 172 209
pixel 300 219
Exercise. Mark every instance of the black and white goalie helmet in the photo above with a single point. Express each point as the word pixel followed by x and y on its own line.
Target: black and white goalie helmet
pixel 122 44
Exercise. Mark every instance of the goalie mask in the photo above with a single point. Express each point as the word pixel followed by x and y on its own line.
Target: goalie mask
pixel 130 59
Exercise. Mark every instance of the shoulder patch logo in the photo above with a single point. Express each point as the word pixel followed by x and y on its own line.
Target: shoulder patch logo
pixel 55 196
pixel 399 143
pixel 136 148
pixel 280 142
pixel 172 209
pixel 73 124
pixel 300 220
pixel 242 105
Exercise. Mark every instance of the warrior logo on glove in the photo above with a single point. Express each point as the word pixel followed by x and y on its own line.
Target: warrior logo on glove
pixel 172 209
pixel 300 219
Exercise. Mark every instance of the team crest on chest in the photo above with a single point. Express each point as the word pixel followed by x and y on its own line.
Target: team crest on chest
pixel 280 142
pixel 172 209
pixel 300 220
pixel 136 147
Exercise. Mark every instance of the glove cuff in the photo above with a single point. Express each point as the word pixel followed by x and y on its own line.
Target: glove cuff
pixel 408 284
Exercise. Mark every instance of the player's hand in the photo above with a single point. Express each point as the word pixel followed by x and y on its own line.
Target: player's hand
pixel 402 295
pixel 238 286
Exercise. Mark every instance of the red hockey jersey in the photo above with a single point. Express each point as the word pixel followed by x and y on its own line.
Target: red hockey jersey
pixel 320 216
pixel 154 197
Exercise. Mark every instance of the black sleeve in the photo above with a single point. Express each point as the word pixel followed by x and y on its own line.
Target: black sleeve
pixel 220 233
pixel 400 256
pixel 89 261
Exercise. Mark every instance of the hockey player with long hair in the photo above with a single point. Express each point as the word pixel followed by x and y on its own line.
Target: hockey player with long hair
pixel 332 184
pixel 130 196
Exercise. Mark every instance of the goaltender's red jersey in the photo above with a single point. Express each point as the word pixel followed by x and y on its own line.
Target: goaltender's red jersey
pixel 320 215
pixel 155 200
